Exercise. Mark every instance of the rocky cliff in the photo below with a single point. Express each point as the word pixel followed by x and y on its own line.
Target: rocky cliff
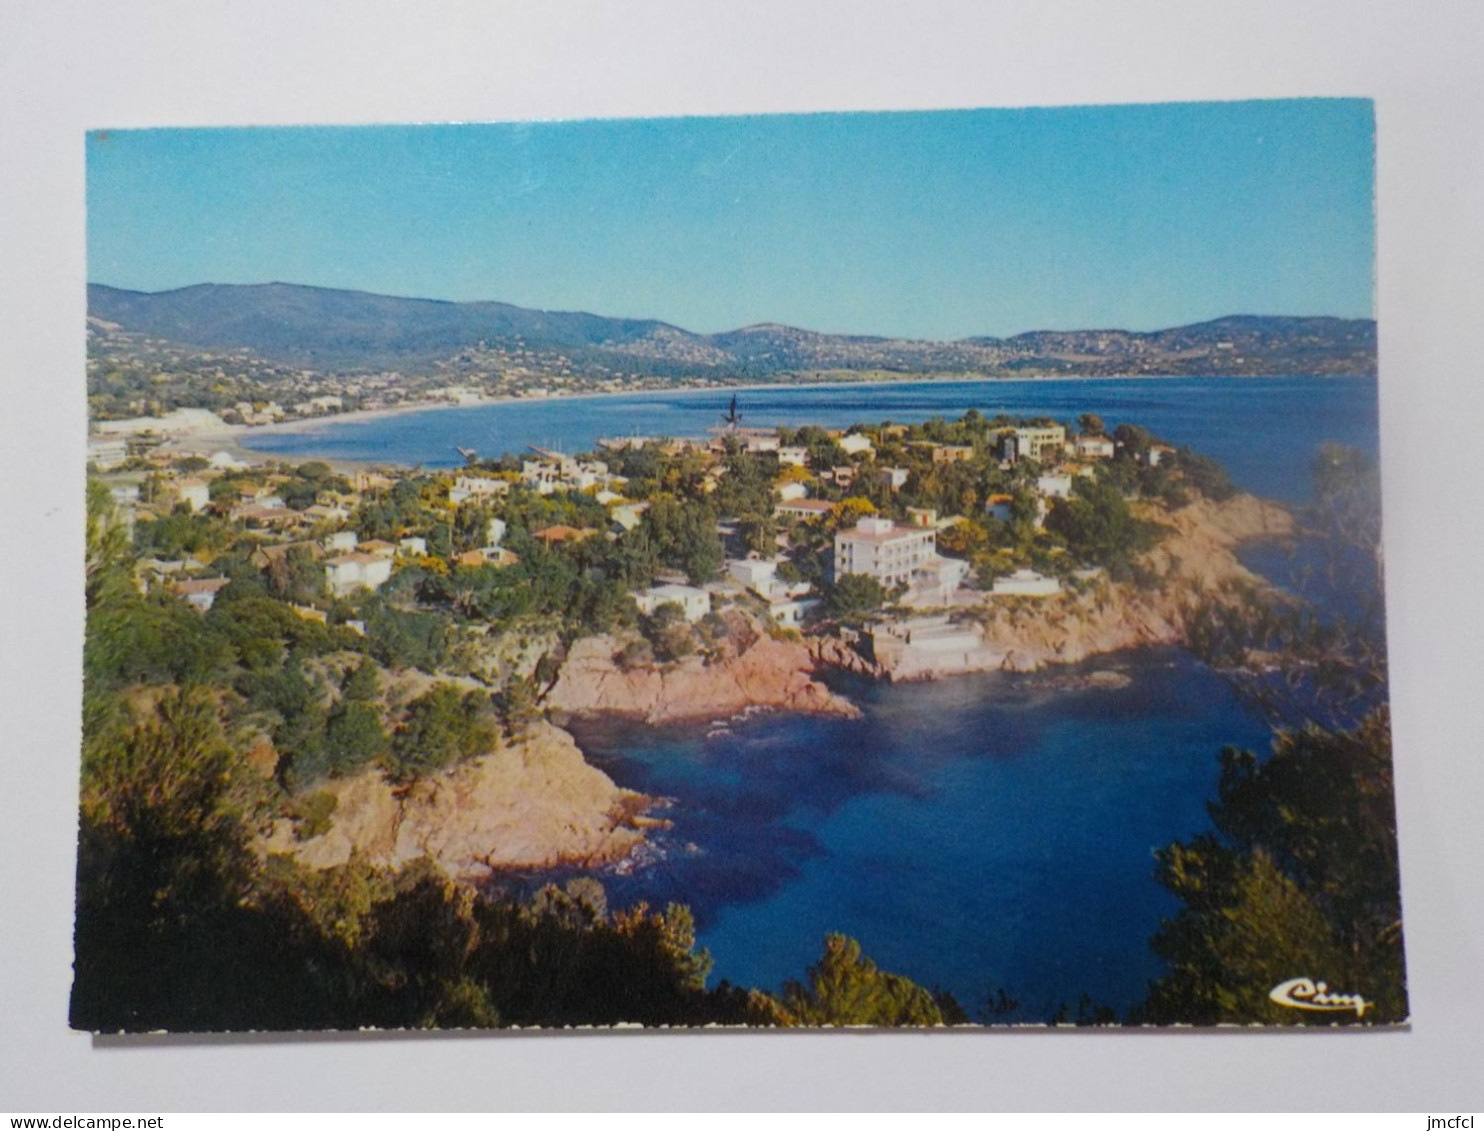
pixel 761 671
pixel 1026 633
pixel 533 803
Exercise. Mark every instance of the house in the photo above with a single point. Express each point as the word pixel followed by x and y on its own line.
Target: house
pixel 255 514
pixel 854 444
pixel 377 548
pixel 1054 486
pixel 325 512
pixel 1158 454
pixel 350 572
pixel 1025 583
pixel 839 476
pixel 371 481
pixel 1039 440
pixel 201 593
pixel 487 555
pixel 1088 446
pixel 265 556
pixel 694 603
pixel 413 547
pixel 560 534
pixel 755 573
pixel 107 451
pixel 789 492
pixel 894 477
pixel 804 509
pixel 628 515
pixel 952 453
pixel 494 532
pixel 791 611
pixel 341 542
pixel 793 456
pixel 477 487
pixel 936 581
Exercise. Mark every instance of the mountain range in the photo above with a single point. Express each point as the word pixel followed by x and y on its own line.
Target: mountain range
pixel 338 331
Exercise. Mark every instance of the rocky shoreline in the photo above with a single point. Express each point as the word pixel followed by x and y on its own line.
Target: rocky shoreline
pixel 763 671
pixel 1198 556
pixel 536 803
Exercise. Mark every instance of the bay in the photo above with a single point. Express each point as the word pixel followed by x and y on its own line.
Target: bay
pixel 987 831
pixel 1265 430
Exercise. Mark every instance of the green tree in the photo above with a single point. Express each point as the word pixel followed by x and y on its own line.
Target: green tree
pixel 854 597
pixel 516 707
pixel 442 727
pixel 844 988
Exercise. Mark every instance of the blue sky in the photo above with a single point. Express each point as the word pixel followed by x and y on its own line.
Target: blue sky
pixel 926 225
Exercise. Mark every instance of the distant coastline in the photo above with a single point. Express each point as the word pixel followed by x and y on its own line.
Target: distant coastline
pixel 232 438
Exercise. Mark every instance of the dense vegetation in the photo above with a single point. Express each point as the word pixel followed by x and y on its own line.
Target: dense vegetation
pixel 1299 876
pixel 182 924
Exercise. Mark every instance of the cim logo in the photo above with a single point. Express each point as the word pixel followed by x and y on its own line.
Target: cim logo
pixel 1305 993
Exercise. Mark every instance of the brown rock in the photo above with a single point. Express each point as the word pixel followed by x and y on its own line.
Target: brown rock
pixel 764 672
pixel 537 803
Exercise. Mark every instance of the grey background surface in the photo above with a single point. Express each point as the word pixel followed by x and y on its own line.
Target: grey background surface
pixel 66 67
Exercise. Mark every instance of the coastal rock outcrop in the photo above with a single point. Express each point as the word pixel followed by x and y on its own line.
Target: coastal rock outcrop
pixel 1027 633
pixel 764 671
pixel 528 804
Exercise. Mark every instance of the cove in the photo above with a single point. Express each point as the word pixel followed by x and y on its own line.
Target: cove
pixel 985 831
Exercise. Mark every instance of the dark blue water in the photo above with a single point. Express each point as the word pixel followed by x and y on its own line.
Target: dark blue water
pixel 1264 430
pixel 989 830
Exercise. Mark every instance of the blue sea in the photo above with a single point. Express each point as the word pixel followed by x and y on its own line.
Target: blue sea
pixel 1264 429
pixel 977 833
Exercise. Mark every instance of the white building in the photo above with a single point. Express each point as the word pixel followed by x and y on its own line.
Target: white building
pixel 792 456
pixel 628 515
pixel 1157 454
pixel 855 443
pixel 494 532
pixel 936 582
pixel 694 603
pixel 350 572
pixel 878 548
pixel 1037 441
pixel 194 493
pixel 413 547
pixel 342 541
pixel 790 492
pixel 1094 447
pixel 1054 486
pixel 755 573
pixel 107 451
pixel 791 611
pixel 805 509
pixel 477 487
pixel 1026 583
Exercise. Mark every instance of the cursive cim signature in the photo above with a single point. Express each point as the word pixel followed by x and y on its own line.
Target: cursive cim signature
pixel 1305 993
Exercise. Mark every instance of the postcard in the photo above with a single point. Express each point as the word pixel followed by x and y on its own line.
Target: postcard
pixel 835 570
